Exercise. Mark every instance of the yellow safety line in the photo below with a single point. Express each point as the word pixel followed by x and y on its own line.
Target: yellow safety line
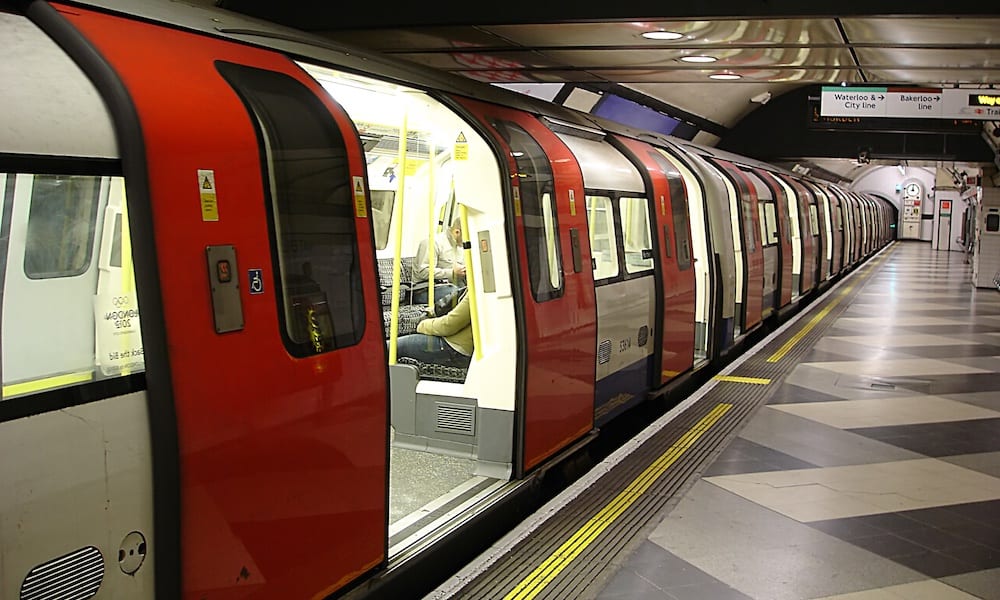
pixel 534 583
pixel 47 383
pixel 738 379
pixel 813 322
pixel 819 316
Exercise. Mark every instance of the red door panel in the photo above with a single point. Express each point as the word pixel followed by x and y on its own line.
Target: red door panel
pixel 677 349
pixel 282 459
pixel 752 248
pixel 807 278
pixel 784 236
pixel 561 345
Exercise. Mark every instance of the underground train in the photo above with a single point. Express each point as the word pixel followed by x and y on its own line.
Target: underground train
pixel 209 232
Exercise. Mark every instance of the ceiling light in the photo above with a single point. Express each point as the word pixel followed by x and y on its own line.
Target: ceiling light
pixel 724 76
pixel 662 35
pixel 699 59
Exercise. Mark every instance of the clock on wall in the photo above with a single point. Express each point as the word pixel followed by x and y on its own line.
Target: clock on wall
pixel 912 189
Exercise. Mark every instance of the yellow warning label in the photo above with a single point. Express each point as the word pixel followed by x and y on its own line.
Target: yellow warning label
pixel 461 147
pixel 517 201
pixel 663 206
pixel 572 203
pixel 206 191
pixel 413 165
pixel 360 209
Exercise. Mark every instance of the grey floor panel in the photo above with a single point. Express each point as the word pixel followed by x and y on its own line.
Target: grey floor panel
pixel 985 584
pixel 989 399
pixel 816 443
pixel 912 327
pixel 765 555
pixel 417 477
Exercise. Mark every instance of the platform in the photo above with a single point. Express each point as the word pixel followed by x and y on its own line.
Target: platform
pixel 853 454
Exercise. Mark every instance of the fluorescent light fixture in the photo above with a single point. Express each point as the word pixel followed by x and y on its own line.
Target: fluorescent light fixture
pixel 698 59
pixel 662 35
pixel 724 76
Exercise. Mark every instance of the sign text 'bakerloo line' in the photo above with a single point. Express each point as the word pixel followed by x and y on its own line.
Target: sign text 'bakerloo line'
pixel 839 101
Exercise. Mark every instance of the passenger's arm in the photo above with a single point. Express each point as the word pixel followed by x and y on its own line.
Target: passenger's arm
pixel 458 319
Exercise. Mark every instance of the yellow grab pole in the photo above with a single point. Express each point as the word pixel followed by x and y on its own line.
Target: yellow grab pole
pixel 470 281
pixel 397 251
pixel 431 237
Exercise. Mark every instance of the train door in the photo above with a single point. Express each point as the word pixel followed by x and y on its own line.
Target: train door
pixel 442 239
pixel 558 351
pixel 777 191
pixel 807 279
pixel 837 228
pixel 857 229
pixel 743 203
pixel 850 233
pixel 618 220
pixel 273 337
pixel 795 230
pixel 817 233
pixel 676 299
pixel 825 227
pixel 704 268
pixel 767 219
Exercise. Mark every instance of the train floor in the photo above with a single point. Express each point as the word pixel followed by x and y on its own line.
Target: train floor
pixel 852 454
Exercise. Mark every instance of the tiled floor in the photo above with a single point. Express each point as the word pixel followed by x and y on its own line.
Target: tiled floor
pixel 872 474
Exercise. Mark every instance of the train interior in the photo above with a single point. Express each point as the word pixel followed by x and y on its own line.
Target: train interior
pixel 450 427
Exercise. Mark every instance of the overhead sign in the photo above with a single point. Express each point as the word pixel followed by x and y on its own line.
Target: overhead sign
pixel 838 101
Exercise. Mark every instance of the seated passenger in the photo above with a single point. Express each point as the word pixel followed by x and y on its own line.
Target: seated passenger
pixel 449 265
pixel 444 340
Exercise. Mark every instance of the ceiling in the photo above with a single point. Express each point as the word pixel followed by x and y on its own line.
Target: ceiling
pixel 773 46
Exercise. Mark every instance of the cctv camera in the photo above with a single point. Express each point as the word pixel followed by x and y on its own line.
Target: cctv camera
pixel 763 98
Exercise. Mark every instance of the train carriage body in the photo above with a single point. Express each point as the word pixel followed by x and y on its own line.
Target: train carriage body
pixel 212 248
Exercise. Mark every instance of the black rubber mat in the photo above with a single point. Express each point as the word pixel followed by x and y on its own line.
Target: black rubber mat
pixel 572 554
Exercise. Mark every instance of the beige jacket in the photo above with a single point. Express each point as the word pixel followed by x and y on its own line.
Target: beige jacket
pixel 455 327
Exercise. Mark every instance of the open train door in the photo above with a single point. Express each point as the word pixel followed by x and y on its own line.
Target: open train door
pixel 746 199
pixel 558 321
pixel 273 350
pixel 675 337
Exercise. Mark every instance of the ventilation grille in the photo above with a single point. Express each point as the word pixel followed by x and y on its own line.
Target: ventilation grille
pixel 604 352
pixel 74 576
pixel 456 418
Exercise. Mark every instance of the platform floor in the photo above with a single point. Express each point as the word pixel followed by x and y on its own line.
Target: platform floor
pixel 867 467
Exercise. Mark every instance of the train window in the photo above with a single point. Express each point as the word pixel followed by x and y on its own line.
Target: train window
pixel 538 211
pixel 95 311
pixel 603 242
pixel 771 219
pixel 309 194
pixel 61 223
pixel 382 201
pixel 634 213
pixel 763 223
pixel 813 219
pixel 679 207
pixel 992 222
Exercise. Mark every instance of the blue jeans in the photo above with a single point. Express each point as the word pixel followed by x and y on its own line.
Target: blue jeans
pixel 440 291
pixel 431 349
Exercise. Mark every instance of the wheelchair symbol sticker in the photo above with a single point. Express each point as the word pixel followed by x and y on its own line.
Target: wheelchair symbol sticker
pixel 256 281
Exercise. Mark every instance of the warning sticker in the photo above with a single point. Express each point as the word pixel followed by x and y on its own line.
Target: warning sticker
pixel 461 147
pixel 360 210
pixel 517 201
pixel 572 203
pixel 206 191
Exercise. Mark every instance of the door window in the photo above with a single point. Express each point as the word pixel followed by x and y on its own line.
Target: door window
pixel 310 201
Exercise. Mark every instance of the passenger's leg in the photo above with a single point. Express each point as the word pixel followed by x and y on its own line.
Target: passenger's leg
pixel 425 348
